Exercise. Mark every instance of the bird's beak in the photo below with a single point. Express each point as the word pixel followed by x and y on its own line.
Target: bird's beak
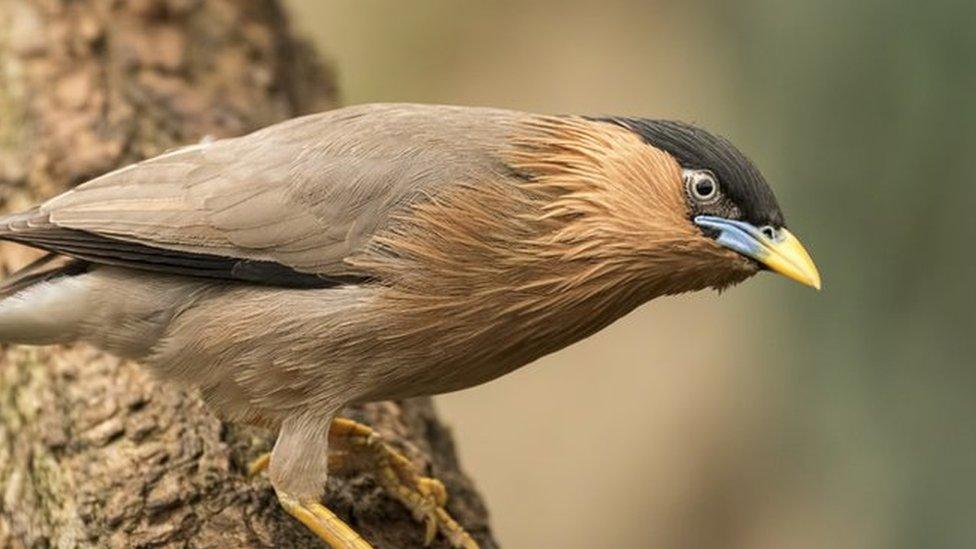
pixel 782 253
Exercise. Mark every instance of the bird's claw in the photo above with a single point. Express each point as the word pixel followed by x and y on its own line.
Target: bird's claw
pixel 424 497
pixel 323 523
pixel 434 488
pixel 360 448
pixel 420 495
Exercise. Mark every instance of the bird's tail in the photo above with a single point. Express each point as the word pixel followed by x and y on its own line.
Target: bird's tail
pixel 27 297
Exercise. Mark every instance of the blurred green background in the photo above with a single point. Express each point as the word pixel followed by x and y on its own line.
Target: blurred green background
pixel 771 416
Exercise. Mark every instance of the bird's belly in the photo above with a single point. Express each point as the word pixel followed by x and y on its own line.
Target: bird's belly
pixel 268 353
pixel 444 365
pixel 438 376
pixel 461 350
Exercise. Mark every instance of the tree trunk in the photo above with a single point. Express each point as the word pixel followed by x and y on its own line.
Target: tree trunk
pixel 93 452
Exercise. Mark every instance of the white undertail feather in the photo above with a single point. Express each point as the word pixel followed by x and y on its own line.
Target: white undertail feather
pixel 122 312
pixel 46 313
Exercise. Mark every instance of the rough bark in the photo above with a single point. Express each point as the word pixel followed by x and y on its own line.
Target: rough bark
pixel 94 452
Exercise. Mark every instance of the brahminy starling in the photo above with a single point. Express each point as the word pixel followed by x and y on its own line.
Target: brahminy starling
pixel 383 252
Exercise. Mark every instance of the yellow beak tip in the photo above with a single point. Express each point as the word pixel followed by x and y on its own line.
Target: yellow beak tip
pixel 789 258
pixel 812 278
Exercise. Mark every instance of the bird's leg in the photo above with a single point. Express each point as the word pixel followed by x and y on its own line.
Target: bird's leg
pixel 344 463
pixel 298 470
pixel 318 518
pixel 357 447
pixel 423 496
pixel 323 523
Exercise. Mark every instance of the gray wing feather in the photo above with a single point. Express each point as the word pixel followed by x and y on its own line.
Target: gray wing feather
pixel 296 198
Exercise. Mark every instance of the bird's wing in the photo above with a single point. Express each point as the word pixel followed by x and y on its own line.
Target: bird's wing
pixel 283 206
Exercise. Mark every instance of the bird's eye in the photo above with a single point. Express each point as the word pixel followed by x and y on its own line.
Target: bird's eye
pixel 702 185
pixel 704 188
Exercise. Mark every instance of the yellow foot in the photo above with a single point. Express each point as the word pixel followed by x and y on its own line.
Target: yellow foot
pixel 363 449
pixel 358 448
pixel 323 522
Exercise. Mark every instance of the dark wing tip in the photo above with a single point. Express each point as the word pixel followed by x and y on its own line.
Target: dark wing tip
pixel 104 250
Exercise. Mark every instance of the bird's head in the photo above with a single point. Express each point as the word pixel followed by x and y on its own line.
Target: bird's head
pixel 665 202
pixel 728 198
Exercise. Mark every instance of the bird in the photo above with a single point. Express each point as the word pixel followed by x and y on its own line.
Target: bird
pixel 385 251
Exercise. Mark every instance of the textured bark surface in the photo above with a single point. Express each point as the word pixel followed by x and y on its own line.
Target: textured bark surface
pixel 93 452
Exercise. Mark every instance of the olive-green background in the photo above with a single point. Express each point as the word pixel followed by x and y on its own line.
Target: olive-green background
pixel 770 416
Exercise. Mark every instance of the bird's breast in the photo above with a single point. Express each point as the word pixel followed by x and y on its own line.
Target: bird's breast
pixel 449 341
